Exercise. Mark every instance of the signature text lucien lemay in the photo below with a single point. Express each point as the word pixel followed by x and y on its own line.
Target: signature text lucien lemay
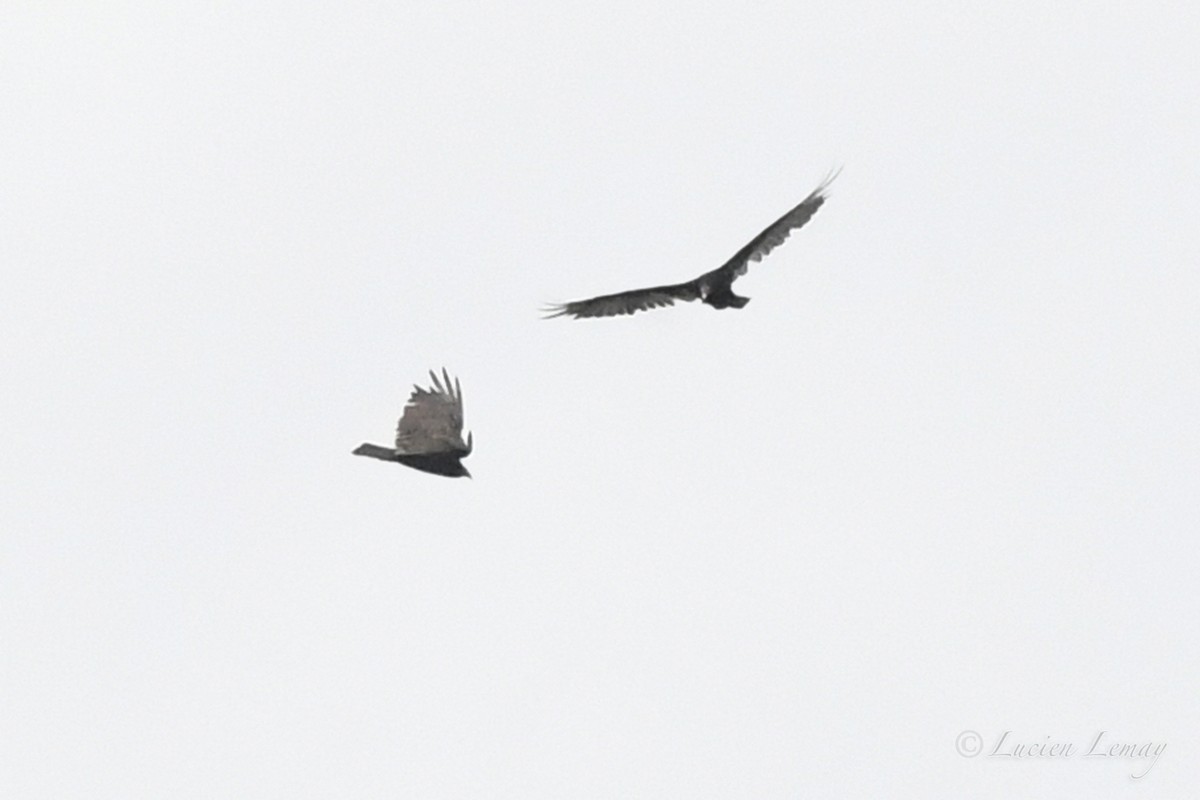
pixel 1102 746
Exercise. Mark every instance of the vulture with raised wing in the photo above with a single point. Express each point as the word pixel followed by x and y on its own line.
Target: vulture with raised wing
pixel 713 287
pixel 429 436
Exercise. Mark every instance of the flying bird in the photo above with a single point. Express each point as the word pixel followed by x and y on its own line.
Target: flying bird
pixel 713 287
pixel 429 435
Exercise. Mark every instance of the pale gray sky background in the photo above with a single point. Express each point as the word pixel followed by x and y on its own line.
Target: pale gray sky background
pixel 940 475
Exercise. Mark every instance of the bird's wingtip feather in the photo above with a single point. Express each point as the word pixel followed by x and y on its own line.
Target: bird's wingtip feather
pixel 829 178
pixel 552 310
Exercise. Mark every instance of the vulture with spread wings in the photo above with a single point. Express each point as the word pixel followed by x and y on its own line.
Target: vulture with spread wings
pixel 429 436
pixel 713 287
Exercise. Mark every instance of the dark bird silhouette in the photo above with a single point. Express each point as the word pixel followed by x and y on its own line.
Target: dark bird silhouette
pixel 713 288
pixel 429 435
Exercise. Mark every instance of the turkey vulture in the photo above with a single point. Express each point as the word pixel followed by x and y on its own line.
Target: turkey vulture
pixel 429 436
pixel 713 287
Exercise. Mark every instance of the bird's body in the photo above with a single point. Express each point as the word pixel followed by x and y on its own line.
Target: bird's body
pixel 712 288
pixel 437 463
pixel 429 435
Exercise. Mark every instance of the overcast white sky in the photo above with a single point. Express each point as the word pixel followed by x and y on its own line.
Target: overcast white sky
pixel 940 475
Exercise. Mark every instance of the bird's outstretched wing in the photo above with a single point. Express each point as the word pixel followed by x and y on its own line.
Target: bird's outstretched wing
pixel 772 236
pixel 433 419
pixel 631 302
pixel 714 283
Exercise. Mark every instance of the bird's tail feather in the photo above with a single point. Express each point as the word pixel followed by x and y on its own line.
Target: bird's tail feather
pixel 375 451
